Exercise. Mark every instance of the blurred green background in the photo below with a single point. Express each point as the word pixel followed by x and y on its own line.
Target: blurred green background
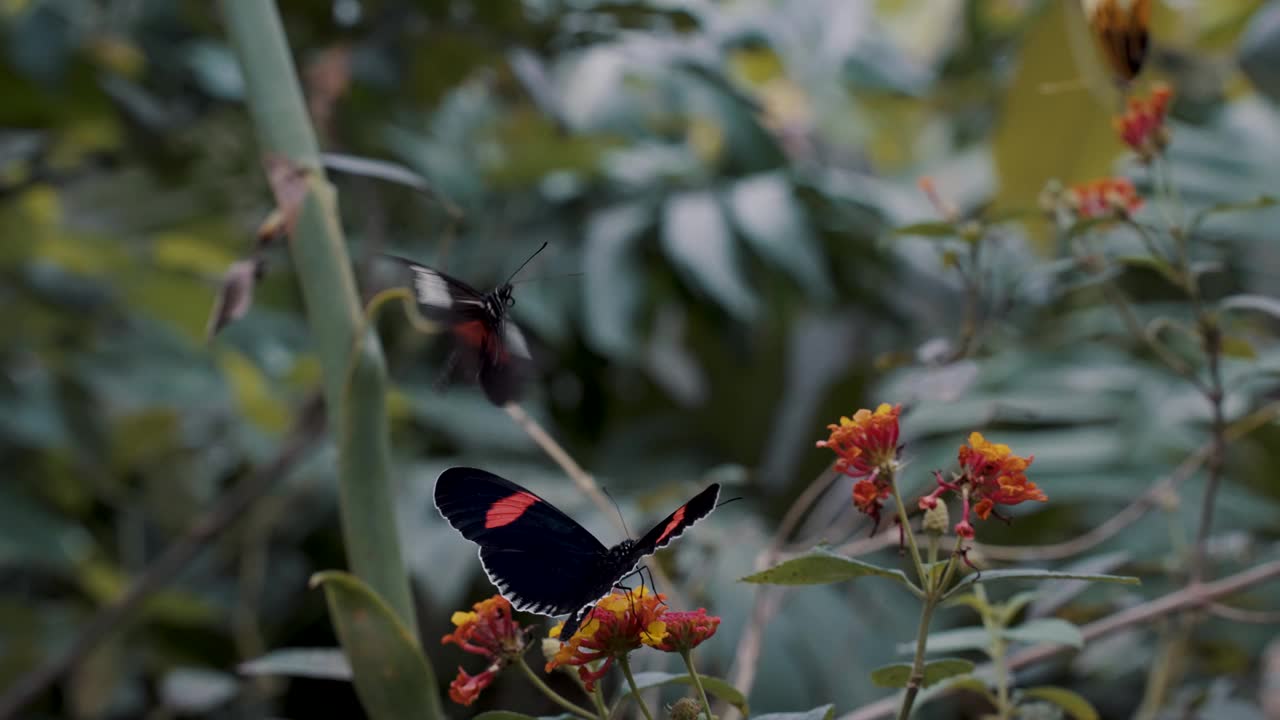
pixel 726 178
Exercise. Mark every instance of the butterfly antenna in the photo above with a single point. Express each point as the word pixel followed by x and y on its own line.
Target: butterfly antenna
pixel 722 503
pixel 618 509
pixel 548 277
pixel 526 262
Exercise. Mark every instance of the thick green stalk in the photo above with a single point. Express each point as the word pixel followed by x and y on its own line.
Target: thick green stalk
pixel 354 387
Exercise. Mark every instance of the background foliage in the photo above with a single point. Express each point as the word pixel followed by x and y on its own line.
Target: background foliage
pixel 726 177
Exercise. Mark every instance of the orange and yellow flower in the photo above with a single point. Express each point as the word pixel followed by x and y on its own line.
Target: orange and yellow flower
pixel 487 630
pixel 867 449
pixel 466 688
pixel 1141 126
pixel 990 475
pixel 617 625
pixel 687 630
pixel 1103 198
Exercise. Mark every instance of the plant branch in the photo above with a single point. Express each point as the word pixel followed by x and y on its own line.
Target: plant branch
pixel 1211 336
pixel 308 429
pixel 1192 596
pixel 625 664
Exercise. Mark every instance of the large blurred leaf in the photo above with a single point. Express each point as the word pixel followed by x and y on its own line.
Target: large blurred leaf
pixel 327 663
pixel 612 285
pixel 391 677
pixel 766 212
pixel 32 536
pixel 696 238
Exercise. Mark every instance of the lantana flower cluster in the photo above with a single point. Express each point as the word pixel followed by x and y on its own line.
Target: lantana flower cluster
pixel 622 623
pixel 866 446
pixel 619 624
pixel 990 473
pixel 490 631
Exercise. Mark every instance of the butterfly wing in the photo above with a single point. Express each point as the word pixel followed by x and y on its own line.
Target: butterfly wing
pixel 539 558
pixel 491 347
pixel 505 364
pixel 677 522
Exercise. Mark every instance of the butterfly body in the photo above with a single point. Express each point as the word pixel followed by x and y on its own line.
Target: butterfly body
pixel 540 559
pixel 488 344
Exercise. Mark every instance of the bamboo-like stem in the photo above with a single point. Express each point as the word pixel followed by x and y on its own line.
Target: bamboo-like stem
pixel 554 696
pixel 356 404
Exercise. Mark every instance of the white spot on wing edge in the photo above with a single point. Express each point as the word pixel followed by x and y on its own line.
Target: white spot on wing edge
pixel 430 288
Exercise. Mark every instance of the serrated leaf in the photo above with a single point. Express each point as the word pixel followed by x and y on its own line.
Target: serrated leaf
pixel 1035 574
pixel 1073 703
pixel 713 685
pixel 392 678
pixel 898 675
pixel 819 567
pixel 936 229
pixel 696 238
pixel 1256 303
pixel 1046 630
pixel 825 712
pixel 325 663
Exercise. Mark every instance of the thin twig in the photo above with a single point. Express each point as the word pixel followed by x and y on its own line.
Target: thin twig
pixel 1253 617
pixel 767 599
pixel 1132 512
pixel 1188 597
pixel 1212 339
pixel 307 430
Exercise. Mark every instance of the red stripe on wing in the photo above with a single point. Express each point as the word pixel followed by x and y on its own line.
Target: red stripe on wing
pixel 676 518
pixel 472 333
pixel 508 509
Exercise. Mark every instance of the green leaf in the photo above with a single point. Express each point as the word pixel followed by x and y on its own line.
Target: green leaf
pixel 898 674
pixel 713 685
pixel 697 240
pixel 937 229
pixel 509 715
pixel 325 663
pixel 1074 704
pixel 391 676
pixel 1034 574
pixel 955 640
pixel 1047 630
pixel 1257 303
pixel 825 712
pixel 819 567
pixel 612 286
pixel 1258 203
pixel 767 214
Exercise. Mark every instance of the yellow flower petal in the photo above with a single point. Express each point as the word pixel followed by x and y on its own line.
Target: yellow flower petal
pixel 462 618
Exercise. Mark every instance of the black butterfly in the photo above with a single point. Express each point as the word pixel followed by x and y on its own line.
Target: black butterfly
pixel 538 557
pixel 490 346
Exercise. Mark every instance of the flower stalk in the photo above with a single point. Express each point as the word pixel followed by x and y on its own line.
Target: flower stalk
pixel 554 696
pixel 687 656
pixel 625 665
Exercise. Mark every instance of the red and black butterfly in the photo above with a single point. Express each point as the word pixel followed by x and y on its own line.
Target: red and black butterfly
pixel 489 345
pixel 538 557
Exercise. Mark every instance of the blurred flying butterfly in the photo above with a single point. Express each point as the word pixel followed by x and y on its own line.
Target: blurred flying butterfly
pixel 1121 28
pixel 539 558
pixel 488 344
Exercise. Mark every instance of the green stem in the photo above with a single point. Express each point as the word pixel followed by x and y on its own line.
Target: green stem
pixel 911 537
pixel 917 664
pixel 356 404
pixel 555 697
pixel 687 656
pixel 598 696
pixel 635 689
pixel 997 652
